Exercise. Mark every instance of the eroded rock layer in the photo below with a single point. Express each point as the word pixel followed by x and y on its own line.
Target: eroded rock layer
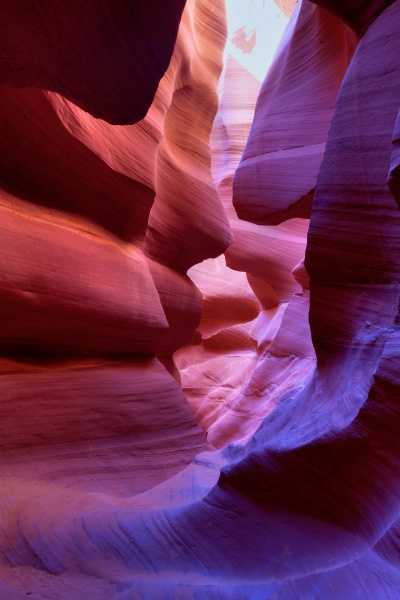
pixel 89 293
pixel 68 48
pixel 276 176
pixel 108 487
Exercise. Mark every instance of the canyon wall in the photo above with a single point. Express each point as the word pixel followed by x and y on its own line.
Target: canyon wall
pixel 199 297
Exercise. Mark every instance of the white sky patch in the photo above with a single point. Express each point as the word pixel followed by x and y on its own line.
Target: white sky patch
pixel 256 26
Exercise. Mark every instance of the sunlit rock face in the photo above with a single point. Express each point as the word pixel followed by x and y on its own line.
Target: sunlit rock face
pixel 140 313
pixel 276 177
pixel 238 364
pixel 94 255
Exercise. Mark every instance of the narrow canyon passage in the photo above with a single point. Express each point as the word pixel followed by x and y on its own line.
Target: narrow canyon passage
pixel 199 296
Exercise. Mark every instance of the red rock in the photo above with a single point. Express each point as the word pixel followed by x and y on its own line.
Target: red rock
pixel 268 255
pixel 356 13
pixel 68 48
pixel 182 303
pixel 224 372
pixel 96 426
pixel 187 223
pixel 277 173
pixel 43 163
pixel 67 291
pixel 99 225
pixel 99 173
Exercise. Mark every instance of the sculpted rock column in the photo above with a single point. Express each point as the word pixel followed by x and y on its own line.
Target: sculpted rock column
pixel 275 179
pixel 318 484
pixel 87 409
pixel 308 507
pixel 345 418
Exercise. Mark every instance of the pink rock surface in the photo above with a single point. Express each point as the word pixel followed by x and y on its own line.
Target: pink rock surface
pixel 187 223
pixel 75 284
pixel 94 426
pixel 233 372
pixel 276 176
pixel 100 172
pixel 41 161
pixel 99 499
pixel 226 371
pixel 65 290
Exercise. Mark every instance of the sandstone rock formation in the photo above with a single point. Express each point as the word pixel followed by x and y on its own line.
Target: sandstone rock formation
pixel 276 176
pixel 109 490
pixel 89 294
pixel 84 51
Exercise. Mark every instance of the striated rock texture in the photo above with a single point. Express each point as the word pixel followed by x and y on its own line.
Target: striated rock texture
pixel 275 179
pixel 89 292
pixel 98 426
pixel 78 259
pixel 108 488
pixel 244 354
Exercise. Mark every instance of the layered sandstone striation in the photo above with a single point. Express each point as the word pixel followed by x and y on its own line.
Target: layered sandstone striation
pixel 89 292
pixel 285 144
pixel 108 487
pixel 275 179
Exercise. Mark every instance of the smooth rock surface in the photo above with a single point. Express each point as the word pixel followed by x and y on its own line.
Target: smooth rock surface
pixel 275 179
pixel 230 371
pixel 68 48
pixel 108 488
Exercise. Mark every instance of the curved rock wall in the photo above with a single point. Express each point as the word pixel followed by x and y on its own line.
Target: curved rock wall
pixel 275 179
pixel 100 222
pixel 84 51
pixel 89 293
pixel 235 369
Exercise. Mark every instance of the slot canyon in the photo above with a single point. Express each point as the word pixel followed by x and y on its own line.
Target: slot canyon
pixel 199 296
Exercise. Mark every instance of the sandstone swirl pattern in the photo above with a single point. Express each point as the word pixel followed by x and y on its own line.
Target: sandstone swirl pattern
pixel 108 488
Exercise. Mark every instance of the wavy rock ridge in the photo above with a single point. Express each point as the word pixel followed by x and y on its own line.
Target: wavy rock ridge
pixel 110 487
